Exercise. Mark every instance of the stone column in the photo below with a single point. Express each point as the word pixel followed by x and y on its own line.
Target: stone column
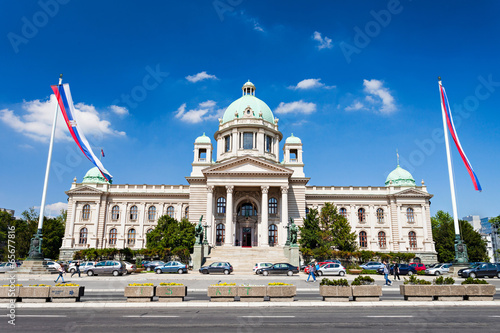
pixel 229 216
pixel 284 212
pixel 93 240
pixel 264 224
pixel 209 217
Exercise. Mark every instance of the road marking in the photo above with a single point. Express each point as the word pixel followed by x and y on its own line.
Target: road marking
pixel 389 316
pixel 40 316
pixel 267 316
pixel 149 316
pixel 495 316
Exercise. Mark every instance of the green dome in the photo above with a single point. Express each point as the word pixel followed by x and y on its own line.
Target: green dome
pixel 400 177
pixel 293 139
pixel 203 139
pixel 95 176
pixel 248 100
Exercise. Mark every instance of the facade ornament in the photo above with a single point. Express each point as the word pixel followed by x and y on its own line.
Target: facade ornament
pixel 284 189
pixel 210 188
pixel 265 189
pixel 229 188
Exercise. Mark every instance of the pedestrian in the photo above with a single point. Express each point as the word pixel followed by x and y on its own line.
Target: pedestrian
pixel 61 272
pixel 316 269
pixel 77 269
pixel 386 274
pixel 312 270
pixel 396 271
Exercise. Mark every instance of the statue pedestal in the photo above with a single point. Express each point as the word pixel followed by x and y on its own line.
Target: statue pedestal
pixel 286 252
pixel 294 255
pixel 198 256
pixel 34 267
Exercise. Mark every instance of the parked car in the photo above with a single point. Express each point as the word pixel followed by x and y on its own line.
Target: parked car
pixel 331 269
pixel 83 265
pixel 52 265
pixel 217 267
pixel 113 267
pixel 372 265
pixel 260 265
pixel 280 268
pixel 7 267
pixel 130 267
pixel 480 270
pixel 418 266
pixel 150 266
pixel 172 267
pixel 321 263
pixel 438 269
pixel 404 269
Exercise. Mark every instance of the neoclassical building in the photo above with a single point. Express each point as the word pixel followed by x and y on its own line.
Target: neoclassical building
pixel 247 196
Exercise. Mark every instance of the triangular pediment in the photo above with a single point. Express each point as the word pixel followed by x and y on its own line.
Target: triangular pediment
pixel 84 189
pixel 248 165
pixel 413 192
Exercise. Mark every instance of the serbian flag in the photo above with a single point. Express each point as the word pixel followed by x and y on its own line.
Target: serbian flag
pixel 451 127
pixel 65 101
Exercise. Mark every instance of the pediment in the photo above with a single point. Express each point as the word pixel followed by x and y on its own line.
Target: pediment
pixel 248 165
pixel 84 189
pixel 413 192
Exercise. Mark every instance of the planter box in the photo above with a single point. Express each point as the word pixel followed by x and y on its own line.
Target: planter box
pixel 222 293
pixel 432 292
pixel 138 270
pixel 281 293
pixel 355 271
pixel 252 293
pixel 34 294
pixel 479 292
pixel 369 293
pixel 139 293
pixel 66 294
pixel 448 292
pixel 335 293
pixel 171 293
pixel 8 295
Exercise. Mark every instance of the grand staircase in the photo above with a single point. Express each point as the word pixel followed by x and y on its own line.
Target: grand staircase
pixel 244 259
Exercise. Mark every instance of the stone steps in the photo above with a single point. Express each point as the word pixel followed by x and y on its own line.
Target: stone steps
pixel 244 259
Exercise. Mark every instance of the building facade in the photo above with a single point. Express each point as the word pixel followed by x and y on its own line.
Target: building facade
pixel 247 196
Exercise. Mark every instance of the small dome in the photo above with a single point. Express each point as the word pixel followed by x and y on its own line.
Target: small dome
pixel 236 109
pixel 203 139
pixel 249 84
pixel 94 176
pixel 400 177
pixel 293 139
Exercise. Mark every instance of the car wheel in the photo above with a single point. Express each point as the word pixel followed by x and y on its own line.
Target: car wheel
pixel 226 271
pixel 472 275
pixel 158 271
pixel 116 273
pixel 90 273
pixel 265 273
pixel 342 273
pixel 437 273
pixel 290 273
pixel 410 273
pixel 205 272
pixel 72 270
pixel 180 271
pixel 498 275
pixel 320 273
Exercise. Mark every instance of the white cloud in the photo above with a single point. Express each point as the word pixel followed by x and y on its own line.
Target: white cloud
pixel 200 77
pixel 324 42
pixel 36 121
pixel 119 110
pixel 375 89
pixel 256 25
pixel 310 84
pixel 296 107
pixel 205 111
pixel 54 209
pixel 355 106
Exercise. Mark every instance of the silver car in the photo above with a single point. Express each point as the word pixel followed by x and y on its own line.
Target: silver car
pixel 438 269
pixel 332 269
pixel 113 267
pixel 83 266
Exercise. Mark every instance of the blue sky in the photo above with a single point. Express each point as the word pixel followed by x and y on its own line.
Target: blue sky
pixel 354 80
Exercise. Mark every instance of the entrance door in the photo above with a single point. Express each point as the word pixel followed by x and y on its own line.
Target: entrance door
pixel 247 237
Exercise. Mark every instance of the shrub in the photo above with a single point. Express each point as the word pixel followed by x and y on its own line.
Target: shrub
pixel 170 284
pixel 225 284
pixel 362 280
pixel 420 272
pixel 413 280
pixel 441 280
pixel 369 271
pixel 470 280
pixel 279 284
pixel 141 284
pixel 339 282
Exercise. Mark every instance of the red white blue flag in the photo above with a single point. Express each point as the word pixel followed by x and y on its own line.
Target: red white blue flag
pixel 65 101
pixel 451 126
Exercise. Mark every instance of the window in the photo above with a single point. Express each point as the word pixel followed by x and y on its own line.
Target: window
pixel 273 206
pixel 170 211
pixel 343 212
pixel 83 236
pixel 361 215
pixel 152 213
pixel 380 215
pixel 269 144
pixel 409 215
pixel 273 235
pixel 293 155
pixel 149 230
pixel 247 140
pixel 363 242
pixel 202 156
pixel 131 237
pixel 86 212
pixel 221 205
pixel 112 236
pixel 115 213
pixel 220 234
pixel 247 209
pixel 381 240
pixel 227 143
pixel 412 237
pixel 186 213
pixel 133 213
pixel 307 210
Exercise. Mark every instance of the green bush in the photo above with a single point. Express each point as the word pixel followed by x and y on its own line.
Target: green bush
pixel 470 280
pixel 339 282
pixel 362 280
pixel 441 280
pixel 413 280
pixel 369 271
pixel 420 272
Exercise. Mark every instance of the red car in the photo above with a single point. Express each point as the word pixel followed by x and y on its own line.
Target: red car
pixel 306 270
pixel 418 266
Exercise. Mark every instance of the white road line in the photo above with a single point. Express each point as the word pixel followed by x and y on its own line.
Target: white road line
pixel 150 316
pixel 495 316
pixel 40 316
pixel 389 316
pixel 267 316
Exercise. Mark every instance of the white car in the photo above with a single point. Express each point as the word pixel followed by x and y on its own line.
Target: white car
pixel 7 267
pixel 260 265
pixel 438 269
pixel 83 265
pixel 130 267
pixel 332 269
pixel 52 265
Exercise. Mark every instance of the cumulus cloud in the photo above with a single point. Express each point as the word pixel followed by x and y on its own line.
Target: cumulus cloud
pixel 54 209
pixel 324 42
pixel 376 89
pixel 356 105
pixel 205 111
pixel 36 117
pixel 200 77
pixel 310 84
pixel 119 110
pixel 296 107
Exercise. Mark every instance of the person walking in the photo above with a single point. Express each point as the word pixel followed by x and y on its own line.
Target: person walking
pixel 312 270
pixel 396 271
pixel 316 269
pixel 77 269
pixel 61 272
pixel 386 274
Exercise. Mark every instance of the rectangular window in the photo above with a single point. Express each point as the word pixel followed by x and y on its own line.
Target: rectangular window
pixel 247 140
pixel 269 144
pixel 293 155
pixel 227 143
pixel 203 155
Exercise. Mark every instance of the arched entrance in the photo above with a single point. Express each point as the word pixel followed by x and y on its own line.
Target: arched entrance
pixel 247 217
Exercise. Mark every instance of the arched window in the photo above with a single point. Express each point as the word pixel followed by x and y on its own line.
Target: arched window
pixel 83 236
pixel 112 236
pixel 380 215
pixel 412 237
pixel 381 240
pixel 115 213
pixel 361 215
pixel 409 215
pixel 186 212
pixel 86 212
pixel 307 210
pixel 131 237
pixel 363 242
pixel 170 211
pixel 343 212
pixel 221 205
pixel 273 206
pixel 220 234
pixel 247 209
pixel 152 213
pixel 133 213
pixel 149 230
pixel 273 235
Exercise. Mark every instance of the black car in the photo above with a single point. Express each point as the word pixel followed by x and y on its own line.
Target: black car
pixel 217 267
pixel 480 270
pixel 404 269
pixel 150 266
pixel 281 268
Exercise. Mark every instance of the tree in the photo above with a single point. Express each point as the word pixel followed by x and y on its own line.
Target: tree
pixel 6 221
pixel 310 231
pixel 53 233
pixel 336 229
pixel 171 235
